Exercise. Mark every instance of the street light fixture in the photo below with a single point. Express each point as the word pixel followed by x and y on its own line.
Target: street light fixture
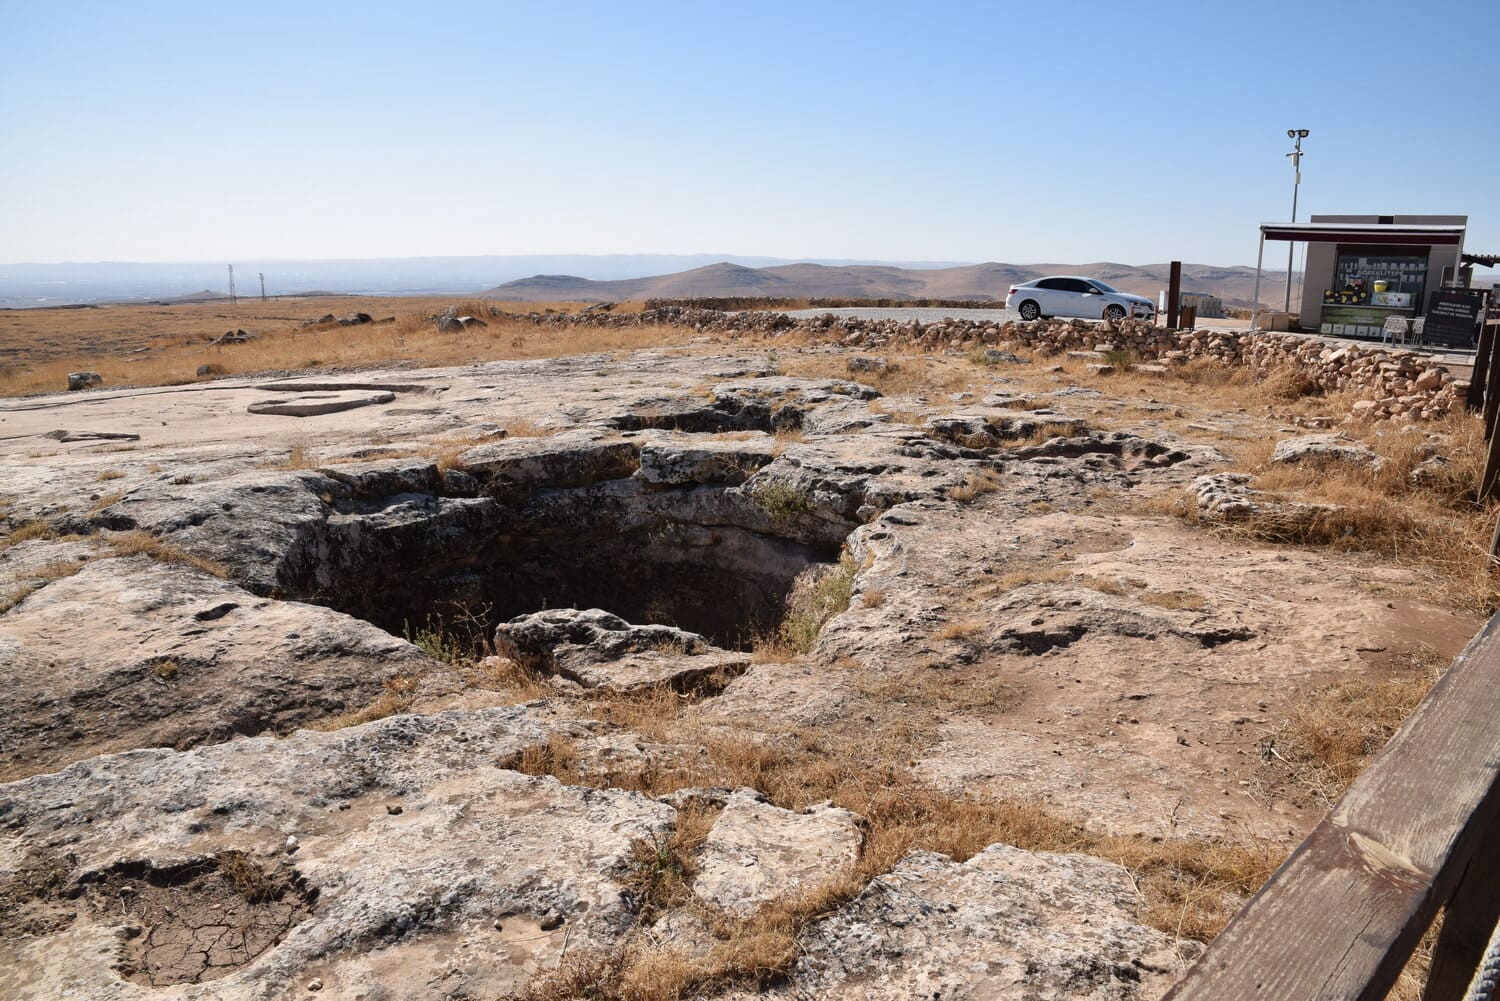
pixel 1296 155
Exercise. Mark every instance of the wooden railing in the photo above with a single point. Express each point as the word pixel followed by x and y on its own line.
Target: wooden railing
pixel 1415 833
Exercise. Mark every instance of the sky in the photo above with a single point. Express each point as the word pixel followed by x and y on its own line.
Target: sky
pixel 1061 132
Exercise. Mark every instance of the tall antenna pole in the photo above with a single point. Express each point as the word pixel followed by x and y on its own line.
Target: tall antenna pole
pixel 232 298
pixel 262 286
pixel 1296 158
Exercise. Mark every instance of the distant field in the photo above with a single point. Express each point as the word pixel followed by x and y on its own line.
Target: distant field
pixel 38 347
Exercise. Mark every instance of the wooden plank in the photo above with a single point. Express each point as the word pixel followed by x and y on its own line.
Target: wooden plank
pixel 1491 391
pixel 1467 924
pixel 1477 377
pixel 1489 476
pixel 1339 919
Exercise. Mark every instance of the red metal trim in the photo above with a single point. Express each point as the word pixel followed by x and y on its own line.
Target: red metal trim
pixel 1429 238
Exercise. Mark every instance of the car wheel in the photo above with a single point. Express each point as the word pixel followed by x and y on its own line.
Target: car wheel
pixel 1030 310
pixel 1114 314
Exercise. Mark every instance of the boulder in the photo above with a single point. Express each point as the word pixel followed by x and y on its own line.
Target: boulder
pixel 1324 448
pixel 757 853
pixel 598 650
pixel 83 380
pixel 573 458
pixel 1007 925
pixel 316 404
pixel 673 459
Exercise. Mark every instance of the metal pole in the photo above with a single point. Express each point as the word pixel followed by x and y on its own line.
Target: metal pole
pixel 1174 294
pixel 1291 247
pixel 1259 259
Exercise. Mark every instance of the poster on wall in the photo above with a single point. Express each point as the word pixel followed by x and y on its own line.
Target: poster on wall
pixel 1354 321
pixel 1452 319
pixel 1374 272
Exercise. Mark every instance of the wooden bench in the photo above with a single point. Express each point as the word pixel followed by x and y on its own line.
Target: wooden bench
pixel 1417 831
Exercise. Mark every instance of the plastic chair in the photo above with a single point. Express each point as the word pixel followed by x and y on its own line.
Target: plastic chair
pixel 1416 330
pixel 1394 331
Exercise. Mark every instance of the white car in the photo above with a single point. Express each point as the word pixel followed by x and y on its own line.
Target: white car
pixel 1073 295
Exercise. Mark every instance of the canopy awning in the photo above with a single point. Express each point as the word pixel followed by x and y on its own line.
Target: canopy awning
pixel 1371 234
pixel 1482 260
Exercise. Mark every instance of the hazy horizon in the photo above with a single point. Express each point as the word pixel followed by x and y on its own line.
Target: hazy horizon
pixel 968 132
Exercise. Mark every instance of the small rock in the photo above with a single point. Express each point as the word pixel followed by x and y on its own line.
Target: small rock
pixel 83 380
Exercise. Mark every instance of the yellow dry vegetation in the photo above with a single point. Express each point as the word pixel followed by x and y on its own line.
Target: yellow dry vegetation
pixel 1431 521
pixel 47 344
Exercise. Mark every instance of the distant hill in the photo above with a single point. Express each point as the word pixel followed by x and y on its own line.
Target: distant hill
pixel 980 282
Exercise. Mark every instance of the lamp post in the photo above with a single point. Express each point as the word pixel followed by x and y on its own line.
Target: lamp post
pixel 1297 135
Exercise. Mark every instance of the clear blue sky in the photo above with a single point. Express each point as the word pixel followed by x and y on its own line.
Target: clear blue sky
pixel 1047 132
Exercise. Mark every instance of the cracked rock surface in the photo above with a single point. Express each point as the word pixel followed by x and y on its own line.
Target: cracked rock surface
pixel 680 558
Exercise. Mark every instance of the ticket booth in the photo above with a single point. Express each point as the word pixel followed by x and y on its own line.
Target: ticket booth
pixel 1362 270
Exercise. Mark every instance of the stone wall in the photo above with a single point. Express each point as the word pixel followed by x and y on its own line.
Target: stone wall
pixel 1391 383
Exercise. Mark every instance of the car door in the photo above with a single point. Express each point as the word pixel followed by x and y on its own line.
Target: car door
pixel 1084 300
pixel 1051 297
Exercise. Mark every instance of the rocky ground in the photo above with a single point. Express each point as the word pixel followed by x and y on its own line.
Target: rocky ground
pixel 710 671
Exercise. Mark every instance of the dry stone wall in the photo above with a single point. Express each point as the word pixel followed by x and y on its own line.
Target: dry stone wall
pixel 1391 383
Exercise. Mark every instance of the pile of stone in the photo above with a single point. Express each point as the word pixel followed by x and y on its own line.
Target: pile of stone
pixel 1393 383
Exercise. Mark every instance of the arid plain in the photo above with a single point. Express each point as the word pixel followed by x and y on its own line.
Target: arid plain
pixel 551 658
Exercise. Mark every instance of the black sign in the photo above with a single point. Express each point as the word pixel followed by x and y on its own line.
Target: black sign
pixel 1452 320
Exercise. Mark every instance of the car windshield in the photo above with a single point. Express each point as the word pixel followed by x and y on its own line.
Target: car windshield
pixel 1102 286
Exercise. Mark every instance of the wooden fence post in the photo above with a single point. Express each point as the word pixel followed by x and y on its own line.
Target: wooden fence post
pixel 1468 922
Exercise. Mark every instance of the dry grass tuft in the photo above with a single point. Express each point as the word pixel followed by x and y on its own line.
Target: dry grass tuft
pixel 1189 600
pixel 25 533
pixel 1288 384
pixel 37 579
pixel 298 458
pixel 974 485
pixel 1433 523
pixel 397 696
pixel 139 543
pixel 963 631
pixel 809 607
pixel 1327 739
pixel 246 876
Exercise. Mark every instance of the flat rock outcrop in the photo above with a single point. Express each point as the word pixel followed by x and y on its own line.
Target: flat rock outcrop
pixel 1007 925
pixel 399 851
pixel 757 853
pixel 132 652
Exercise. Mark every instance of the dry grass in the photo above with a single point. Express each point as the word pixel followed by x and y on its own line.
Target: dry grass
pixel 1435 525
pixel 298 457
pixel 1006 582
pixel 974 486
pixel 1104 585
pixel 25 533
pixel 51 343
pixel 396 696
pixel 107 500
pixel 139 543
pixel 809 607
pixel 37 579
pixel 873 598
pixel 962 631
pixel 907 374
pixel 1326 740
pixel 1189 600
pixel 110 474
pixel 246 876
pixel 1190 886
